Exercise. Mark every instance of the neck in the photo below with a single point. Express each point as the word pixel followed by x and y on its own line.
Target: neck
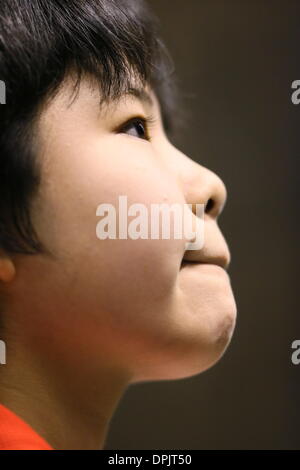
pixel 69 406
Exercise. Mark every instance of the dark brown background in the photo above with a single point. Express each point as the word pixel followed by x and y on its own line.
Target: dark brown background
pixel 236 61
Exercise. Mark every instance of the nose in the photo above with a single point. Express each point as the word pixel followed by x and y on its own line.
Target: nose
pixel 202 186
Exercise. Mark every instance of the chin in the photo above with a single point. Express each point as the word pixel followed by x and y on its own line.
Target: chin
pixel 188 358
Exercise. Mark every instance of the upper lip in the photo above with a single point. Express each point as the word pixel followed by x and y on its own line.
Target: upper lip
pixel 222 260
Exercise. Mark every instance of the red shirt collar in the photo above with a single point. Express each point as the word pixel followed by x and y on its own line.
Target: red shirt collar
pixel 15 434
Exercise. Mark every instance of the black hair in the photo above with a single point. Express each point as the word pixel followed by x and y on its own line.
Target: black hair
pixel 41 41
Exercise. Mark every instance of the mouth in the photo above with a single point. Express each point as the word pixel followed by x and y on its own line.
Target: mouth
pixel 203 268
pixel 185 263
pixel 215 262
pixel 220 258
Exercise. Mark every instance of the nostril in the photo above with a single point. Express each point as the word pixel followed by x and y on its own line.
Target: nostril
pixel 209 205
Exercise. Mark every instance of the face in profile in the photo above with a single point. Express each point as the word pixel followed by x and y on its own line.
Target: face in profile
pixel 123 304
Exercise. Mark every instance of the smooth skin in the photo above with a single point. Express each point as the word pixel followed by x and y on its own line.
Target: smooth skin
pixel 98 315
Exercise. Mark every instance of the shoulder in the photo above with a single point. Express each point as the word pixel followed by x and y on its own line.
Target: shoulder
pixel 15 434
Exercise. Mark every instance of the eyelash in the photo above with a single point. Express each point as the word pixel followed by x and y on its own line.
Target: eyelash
pixel 147 121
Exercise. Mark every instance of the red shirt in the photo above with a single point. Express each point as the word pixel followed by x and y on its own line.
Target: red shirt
pixel 15 434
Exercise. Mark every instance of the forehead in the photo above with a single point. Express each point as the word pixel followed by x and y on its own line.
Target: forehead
pixel 73 95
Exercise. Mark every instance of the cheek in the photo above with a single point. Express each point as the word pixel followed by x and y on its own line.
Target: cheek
pixel 126 278
pixel 124 282
pixel 83 178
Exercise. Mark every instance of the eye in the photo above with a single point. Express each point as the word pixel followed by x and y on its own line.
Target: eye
pixel 137 127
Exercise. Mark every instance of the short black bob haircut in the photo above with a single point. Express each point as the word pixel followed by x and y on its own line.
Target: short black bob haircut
pixel 41 41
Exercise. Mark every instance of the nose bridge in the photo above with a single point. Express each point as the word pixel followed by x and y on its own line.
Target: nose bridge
pixel 199 184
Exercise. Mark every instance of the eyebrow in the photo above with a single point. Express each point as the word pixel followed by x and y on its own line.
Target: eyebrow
pixel 141 94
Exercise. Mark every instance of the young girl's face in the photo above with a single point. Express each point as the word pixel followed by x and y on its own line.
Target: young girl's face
pixel 121 303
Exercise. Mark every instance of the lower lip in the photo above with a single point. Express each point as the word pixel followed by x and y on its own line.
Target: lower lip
pixel 204 266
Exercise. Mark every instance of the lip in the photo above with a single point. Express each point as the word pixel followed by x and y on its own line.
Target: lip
pixel 221 263
pixel 206 266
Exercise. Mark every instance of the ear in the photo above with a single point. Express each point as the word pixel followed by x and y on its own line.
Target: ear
pixel 7 268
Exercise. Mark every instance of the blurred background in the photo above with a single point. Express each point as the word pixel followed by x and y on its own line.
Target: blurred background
pixel 235 62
